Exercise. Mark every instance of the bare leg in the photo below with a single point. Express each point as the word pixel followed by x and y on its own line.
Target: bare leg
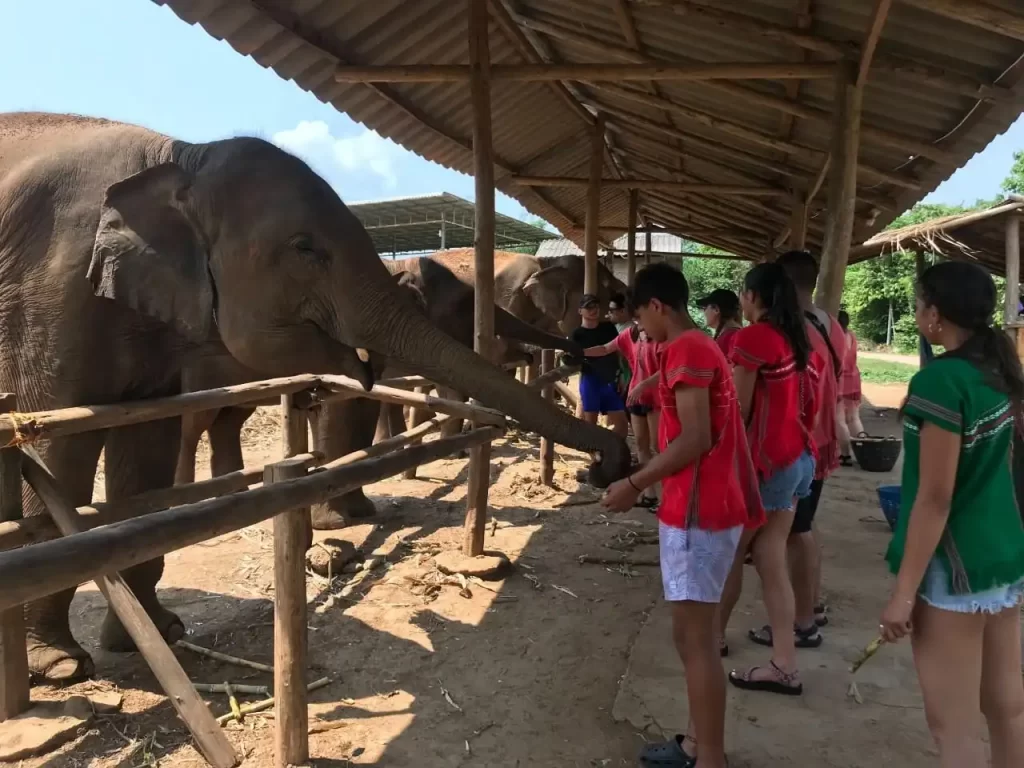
pixel 770 560
pixel 590 417
pixel 693 629
pixel 948 656
pixel 805 573
pixel 842 431
pixel 643 448
pixel 733 584
pixel 617 423
pixel 1002 692
pixel 851 416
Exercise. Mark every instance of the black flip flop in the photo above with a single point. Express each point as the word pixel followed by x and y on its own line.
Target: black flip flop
pixel 820 615
pixel 784 687
pixel 646 502
pixel 845 461
pixel 667 754
pixel 805 638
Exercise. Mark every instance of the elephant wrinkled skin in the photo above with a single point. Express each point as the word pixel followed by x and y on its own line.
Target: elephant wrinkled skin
pixel 122 251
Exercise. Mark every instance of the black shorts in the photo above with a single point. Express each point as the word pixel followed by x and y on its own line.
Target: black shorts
pixel 639 410
pixel 806 509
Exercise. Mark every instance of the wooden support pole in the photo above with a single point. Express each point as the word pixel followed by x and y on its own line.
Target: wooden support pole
pixel 416 417
pixel 593 220
pixel 631 239
pixel 30 573
pixel 648 247
pixel 295 441
pixel 547 447
pixel 456 73
pixel 1012 271
pixel 291 739
pixel 663 184
pixel 14 682
pixel 842 189
pixel 483 260
pixel 923 347
pixel 798 223
pixel 210 740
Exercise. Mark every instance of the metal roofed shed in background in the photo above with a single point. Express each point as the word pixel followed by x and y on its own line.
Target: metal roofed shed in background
pixel 428 223
pixel 944 79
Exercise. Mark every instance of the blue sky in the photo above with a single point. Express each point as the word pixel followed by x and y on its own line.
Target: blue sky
pixel 135 61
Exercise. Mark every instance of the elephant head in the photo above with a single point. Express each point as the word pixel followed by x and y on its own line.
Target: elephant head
pixel 241 236
pixel 556 288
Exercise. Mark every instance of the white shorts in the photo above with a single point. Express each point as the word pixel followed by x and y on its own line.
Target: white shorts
pixel 696 563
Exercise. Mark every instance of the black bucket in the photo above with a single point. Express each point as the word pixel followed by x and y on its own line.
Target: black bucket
pixel 876 454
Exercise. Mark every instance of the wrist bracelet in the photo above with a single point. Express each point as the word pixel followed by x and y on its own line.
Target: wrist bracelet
pixel 629 479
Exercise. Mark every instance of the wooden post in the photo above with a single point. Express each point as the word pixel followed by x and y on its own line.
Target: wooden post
pixel 416 417
pixel 14 684
pixel 212 742
pixel 291 739
pixel 483 237
pixel 593 221
pixel 1010 319
pixel 647 246
pixel 842 188
pixel 631 239
pixel 547 447
pixel 295 441
pixel 798 223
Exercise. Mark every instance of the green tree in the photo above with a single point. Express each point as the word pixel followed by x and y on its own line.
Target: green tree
pixel 706 274
pixel 1013 184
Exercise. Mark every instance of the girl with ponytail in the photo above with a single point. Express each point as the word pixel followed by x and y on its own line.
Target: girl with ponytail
pixel 776 373
pixel 958 547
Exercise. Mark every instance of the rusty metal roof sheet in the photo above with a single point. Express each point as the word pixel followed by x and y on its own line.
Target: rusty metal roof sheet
pixel 950 86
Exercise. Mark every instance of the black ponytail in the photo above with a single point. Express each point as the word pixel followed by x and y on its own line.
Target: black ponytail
pixel 772 285
pixel 964 295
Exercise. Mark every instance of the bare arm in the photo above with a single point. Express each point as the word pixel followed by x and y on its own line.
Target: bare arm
pixel 744 379
pixel 604 349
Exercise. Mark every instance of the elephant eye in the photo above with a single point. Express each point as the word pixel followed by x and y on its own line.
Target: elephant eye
pixel 304 245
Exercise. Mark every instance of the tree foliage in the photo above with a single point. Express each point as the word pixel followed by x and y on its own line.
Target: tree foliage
pixel 1013 184
pixel 705 275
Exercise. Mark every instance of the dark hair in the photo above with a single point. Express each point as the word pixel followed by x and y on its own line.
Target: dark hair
pixel 771 284
pixel 844 318
pixel 662 282
pixel 728 304
pixel 801 267
pixel 618 299
pixel 964 294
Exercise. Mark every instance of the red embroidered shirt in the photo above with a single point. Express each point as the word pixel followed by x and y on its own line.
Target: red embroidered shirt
pixel 642 356
pixel 826 438
pixel 726 340
pixel 785 398
pixel 719 490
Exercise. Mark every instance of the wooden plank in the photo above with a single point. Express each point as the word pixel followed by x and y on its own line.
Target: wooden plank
pixel 14 681
pixel 842 192
pixel 42 569
pixel 631 239
pixel 291 531
pixel 483 259
pixel 547 447
pixel 798 224
pixel 210 740
pixel 32 530
pixel 593 219
pixel 978 14
pixel 663 184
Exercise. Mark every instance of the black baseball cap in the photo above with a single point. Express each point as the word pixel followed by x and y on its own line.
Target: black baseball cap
pixel 588 300
pixel 728 303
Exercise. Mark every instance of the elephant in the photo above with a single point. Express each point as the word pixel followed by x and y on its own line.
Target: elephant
pixel 123 251
pixel 446 301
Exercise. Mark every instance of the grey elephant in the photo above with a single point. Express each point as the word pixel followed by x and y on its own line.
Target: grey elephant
pixel 440 295
pixel 122 251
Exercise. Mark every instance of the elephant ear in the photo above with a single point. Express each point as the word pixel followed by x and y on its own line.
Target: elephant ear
pixel 150 255
pixel 548 291
pixel 407 281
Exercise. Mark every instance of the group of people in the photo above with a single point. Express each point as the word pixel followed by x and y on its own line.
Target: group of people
pixel 750 424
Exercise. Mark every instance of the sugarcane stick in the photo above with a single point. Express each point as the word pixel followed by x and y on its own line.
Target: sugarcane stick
pixel 224 657
pixel 259 706
pixel 232 701
pixel 868 652
pixel 255 690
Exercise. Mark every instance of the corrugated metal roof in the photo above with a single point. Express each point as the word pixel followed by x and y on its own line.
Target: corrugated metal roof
pixel 660 242
pixel 928 74
pixel 414 224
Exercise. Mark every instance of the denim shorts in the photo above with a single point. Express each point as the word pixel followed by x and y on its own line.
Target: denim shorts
pixel 934 590
pixel 793 482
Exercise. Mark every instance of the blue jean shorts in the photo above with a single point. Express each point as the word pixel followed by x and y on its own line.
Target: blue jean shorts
pixel 793 482
pixel 934 590
pixel 599 396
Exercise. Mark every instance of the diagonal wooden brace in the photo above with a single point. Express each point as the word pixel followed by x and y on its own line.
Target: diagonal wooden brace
pixel 172 678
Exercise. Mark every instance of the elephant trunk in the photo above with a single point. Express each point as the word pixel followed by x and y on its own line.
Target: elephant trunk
pixel 411 340
pixel 508 326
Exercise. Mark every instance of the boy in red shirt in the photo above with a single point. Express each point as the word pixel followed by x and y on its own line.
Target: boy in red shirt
pixel 709 495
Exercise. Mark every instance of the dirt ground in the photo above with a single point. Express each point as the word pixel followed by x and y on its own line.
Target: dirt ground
pixel 525 675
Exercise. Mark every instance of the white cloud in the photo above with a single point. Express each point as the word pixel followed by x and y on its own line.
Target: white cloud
pixel 366 152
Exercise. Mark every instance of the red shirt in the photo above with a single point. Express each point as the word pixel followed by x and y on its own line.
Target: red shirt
pixel 642 357
pixel 726 340
pixel 785 398
pixel 719 490
pixel 826 438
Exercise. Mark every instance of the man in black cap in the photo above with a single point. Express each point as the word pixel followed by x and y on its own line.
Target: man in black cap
pixel 598 393
pixel 722 313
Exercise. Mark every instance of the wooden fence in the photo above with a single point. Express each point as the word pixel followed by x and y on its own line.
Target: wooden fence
pixel 43 555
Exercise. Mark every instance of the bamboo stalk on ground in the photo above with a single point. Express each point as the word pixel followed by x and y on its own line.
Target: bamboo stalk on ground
pixel 224 657
pixel 259 706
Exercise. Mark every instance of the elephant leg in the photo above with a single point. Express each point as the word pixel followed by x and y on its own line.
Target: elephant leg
pixel 226 440
pixel 53 654
pixel 396 416
pixel 141 458
pixel 338 429
pixel 192 427
pixel 383 424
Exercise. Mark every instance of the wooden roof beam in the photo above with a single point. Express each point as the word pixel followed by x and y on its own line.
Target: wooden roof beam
pixel 648 183
pixel 977 14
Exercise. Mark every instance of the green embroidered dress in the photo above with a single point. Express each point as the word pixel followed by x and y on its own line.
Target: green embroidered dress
pixel 983 544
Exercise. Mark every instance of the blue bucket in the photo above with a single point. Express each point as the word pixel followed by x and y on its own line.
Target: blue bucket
pixel 889 500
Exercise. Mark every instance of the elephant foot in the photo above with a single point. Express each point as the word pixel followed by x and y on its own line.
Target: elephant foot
pixel 66 662
pixel 337 513
pixel 114 637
